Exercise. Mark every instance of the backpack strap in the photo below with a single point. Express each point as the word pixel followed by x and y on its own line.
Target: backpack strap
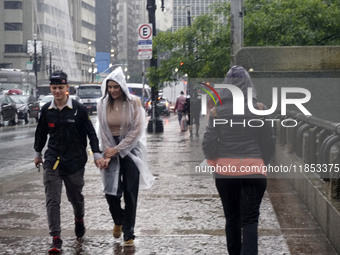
pixel 214 112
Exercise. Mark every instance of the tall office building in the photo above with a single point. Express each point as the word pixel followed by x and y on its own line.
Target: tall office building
pixel 60 32
pixel 117 36
pixel 106 34
pixel 188 9
pixel 131 13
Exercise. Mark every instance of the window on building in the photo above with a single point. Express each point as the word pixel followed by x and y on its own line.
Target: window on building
pixel 88 7
pixel 13 26
pixel 88 25
pixel 6 65
pixel 13 5
pixel 12 48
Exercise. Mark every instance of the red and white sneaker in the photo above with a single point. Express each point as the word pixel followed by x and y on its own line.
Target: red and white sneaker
pixel 56 245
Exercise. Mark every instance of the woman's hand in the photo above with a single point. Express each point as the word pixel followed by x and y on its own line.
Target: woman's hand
pixel 110 152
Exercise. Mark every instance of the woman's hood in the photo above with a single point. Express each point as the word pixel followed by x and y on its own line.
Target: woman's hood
pixel 240 78
pixel 118 76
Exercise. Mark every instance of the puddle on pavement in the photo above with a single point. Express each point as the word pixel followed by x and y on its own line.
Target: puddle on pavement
pixel 19 215
pixel 211 232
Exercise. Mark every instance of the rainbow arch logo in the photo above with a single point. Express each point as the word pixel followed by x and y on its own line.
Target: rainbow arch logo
pixel 210 94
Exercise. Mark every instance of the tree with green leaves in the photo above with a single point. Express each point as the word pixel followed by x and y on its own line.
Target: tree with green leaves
pixel 291 22
pixel 204 47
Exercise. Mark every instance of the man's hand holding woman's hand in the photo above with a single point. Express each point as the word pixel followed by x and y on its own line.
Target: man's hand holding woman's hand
pixel 103 163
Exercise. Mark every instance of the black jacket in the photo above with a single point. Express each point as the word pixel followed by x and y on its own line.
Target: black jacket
pixel 68 130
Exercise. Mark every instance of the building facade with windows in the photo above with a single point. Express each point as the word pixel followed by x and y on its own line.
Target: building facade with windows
pixel 69 34
pixel 130 15
pixel 63 31
pixel 189 9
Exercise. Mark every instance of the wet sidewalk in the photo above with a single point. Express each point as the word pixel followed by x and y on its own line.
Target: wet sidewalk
pixel 180 214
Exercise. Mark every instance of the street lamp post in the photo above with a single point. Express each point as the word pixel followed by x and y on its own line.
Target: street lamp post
pixel 92 69
pixel 50 67
pixel 188 12
pixel 155 124
pixel 111 66
pixel 35 66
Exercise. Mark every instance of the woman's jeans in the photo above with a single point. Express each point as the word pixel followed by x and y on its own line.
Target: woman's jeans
pixel 128 185
pixel 241 199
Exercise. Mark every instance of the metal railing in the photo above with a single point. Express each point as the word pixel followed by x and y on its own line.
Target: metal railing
pixel 317 143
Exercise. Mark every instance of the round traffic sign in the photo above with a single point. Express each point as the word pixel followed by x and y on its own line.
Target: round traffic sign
pixel 145 31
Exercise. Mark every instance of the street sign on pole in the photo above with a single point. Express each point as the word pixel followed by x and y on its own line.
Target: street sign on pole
pixel 144 41
pixel 29 66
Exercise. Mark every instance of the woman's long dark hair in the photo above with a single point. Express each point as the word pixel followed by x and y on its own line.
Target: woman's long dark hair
pixel 110 99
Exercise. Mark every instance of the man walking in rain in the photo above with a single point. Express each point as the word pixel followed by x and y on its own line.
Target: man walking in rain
pixel 67 124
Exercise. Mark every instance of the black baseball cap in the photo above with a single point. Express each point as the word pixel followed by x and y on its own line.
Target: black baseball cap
pixel 58 77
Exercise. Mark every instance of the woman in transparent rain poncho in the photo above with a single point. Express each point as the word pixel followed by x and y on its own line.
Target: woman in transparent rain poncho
pixel 121 131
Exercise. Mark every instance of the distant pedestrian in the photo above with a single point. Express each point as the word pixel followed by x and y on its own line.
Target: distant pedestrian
pixel 179 106
pixel 193 109
pixel 67 124
pixel 121 120
pixel 236 147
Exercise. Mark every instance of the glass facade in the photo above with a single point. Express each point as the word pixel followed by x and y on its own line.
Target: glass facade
pixel 182 9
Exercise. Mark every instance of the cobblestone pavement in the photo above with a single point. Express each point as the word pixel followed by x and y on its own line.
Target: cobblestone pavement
pixel 180 214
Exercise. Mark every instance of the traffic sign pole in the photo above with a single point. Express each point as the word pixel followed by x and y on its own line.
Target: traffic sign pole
pixel 151 7
pixel 145 41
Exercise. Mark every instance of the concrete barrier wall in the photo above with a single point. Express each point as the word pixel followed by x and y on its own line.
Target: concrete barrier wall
pixel 325 210
pixel 292 58
pixel 296 65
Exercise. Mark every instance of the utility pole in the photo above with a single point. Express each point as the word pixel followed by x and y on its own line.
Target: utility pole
pixel 236 22
pixel 155 124
pixel 35 64
pixel 50 66
pixel 189 17
pixel 92 69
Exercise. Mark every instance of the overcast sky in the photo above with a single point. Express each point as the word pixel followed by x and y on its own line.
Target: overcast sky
pixel 164 19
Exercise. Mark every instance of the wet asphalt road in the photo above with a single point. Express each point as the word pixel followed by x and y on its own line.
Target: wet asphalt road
pixel 16 149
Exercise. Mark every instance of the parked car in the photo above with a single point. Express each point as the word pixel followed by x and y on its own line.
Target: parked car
pixel 14 92
pixel 137 90
pixel 45 99
pixel 162 106
pixel 27 107
pixel 89 95
pixel 8 110
pixel 75 97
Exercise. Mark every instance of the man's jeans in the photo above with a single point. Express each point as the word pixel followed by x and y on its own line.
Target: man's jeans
pixel 241 199
pixel 74 184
